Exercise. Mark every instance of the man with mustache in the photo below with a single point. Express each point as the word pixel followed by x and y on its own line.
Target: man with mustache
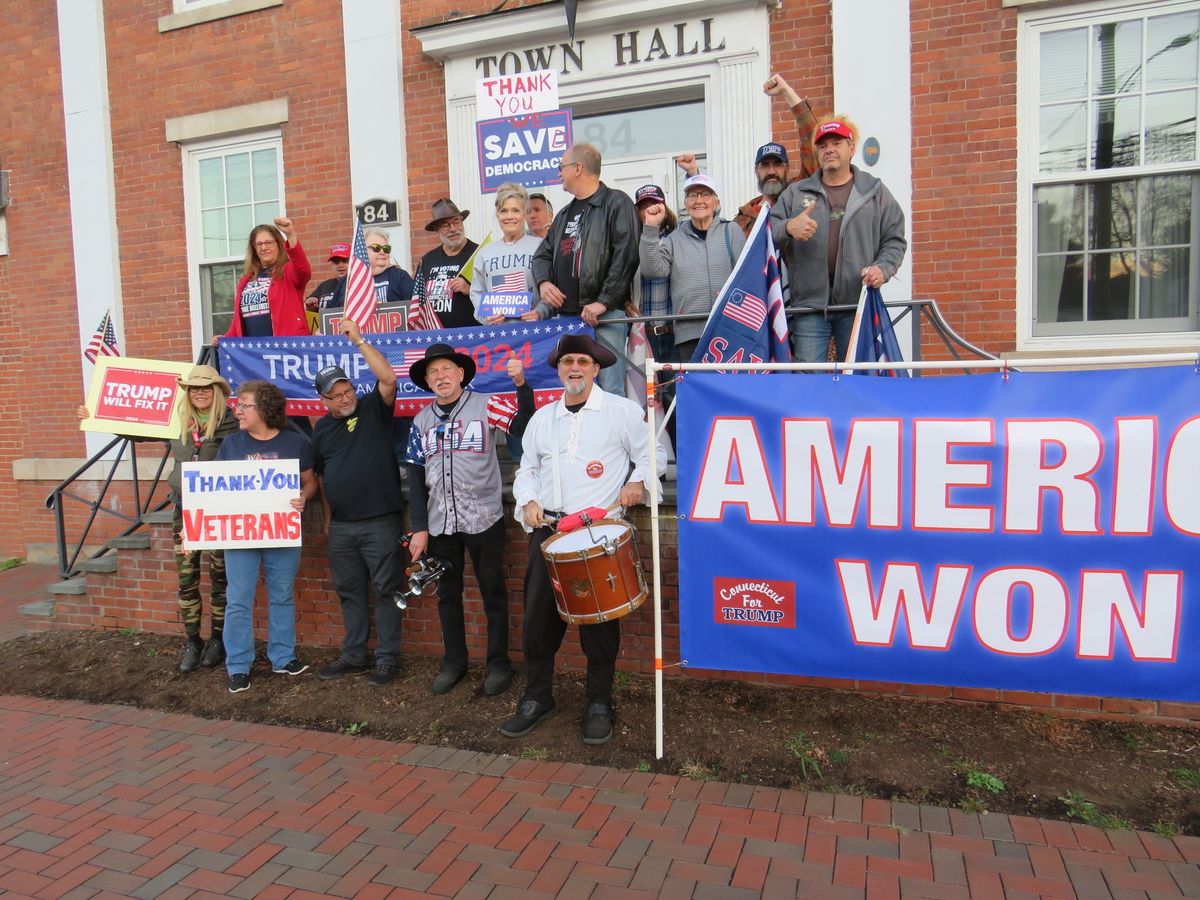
pixel 771 159
pixel 588 449
pixel 454 492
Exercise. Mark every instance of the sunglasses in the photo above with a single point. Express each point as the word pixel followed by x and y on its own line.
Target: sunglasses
pixel 380 248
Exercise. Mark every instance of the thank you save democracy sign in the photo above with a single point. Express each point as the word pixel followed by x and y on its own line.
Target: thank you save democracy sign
pixel 1037 532
pixel 292 363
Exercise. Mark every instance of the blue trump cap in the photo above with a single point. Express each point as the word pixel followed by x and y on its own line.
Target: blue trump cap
pixel 771 149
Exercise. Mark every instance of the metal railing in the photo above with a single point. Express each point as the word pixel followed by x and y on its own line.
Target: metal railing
pixel 918 312
pixel 69 556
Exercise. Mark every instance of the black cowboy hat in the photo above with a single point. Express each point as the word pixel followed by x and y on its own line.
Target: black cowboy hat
pixel 582 343
pixel 416 372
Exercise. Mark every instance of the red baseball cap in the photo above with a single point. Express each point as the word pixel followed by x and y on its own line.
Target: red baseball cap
pixel 832 129
pixel 339 251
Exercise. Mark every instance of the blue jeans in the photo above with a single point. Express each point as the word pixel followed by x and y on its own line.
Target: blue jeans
pixel 279 567
pixel 811 333
pixel 613 333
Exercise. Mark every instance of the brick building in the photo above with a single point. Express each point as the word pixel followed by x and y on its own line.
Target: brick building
pixel 1045 153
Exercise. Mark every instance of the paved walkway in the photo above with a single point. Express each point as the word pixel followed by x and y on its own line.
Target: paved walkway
pixel 113 800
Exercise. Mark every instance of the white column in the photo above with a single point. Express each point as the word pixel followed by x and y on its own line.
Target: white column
pixel 90 180
pixel 375 114
pixel 741 122
pixel 464 170
pixel 871 85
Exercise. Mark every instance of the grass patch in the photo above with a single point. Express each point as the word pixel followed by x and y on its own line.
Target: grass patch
pixel 981 779
pixel 696 771
pixel 801 746
pixel 355 728
pixel 538 753
pixel 11 562
pixel 1165 829
pixel 1087 812
pixel 1188 778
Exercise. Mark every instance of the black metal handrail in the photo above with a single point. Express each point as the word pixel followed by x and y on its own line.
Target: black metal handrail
pixel 67 558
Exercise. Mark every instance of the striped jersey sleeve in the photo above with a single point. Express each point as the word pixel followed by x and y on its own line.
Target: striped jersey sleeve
pixel 500 412
pixel 415 453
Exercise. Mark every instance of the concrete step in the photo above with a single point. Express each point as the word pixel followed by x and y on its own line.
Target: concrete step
pixel 106 564
pixel 129 542
pixel 162 517
pixel 74 586
pixel 40 608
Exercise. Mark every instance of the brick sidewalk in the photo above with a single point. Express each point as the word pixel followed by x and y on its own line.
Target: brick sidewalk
pixel 107 799
pixel 18 586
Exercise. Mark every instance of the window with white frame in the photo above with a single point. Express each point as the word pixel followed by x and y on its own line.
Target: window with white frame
pixel 1115 186
pixel 232 187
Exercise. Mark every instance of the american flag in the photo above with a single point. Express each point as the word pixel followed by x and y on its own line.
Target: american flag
pixel 421 314
pixel 360 285
pixel 104 341
pixel 747 309
pixel 410 357
pixel 510 283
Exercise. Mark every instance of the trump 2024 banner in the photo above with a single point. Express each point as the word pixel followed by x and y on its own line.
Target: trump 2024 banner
pixel 1034 532
pixel 292 363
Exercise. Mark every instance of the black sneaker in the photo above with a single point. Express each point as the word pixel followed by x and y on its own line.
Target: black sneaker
pixel 497 682
pixel 447 679
pixel 239 682
pixel 598 724
pixel 214 653
pixel 383 673
pixel 189 659
pixel 529 713
pixel 295 667
pixel 338 668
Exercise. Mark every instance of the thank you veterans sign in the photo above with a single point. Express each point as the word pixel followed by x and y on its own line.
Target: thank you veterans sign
pixel 1035 532
pixel 240 504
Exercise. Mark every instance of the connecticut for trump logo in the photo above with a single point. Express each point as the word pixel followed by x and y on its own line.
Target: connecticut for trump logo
pixel 754 601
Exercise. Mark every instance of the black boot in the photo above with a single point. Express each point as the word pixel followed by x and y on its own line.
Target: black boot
pixel 189 659
pixel 214 652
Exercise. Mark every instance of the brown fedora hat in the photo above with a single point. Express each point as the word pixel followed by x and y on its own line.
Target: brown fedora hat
pixel 445 209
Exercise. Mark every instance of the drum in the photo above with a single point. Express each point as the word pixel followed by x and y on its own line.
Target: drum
pixel 595 572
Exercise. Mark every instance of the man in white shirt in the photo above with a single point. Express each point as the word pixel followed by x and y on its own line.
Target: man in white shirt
pixel 600 443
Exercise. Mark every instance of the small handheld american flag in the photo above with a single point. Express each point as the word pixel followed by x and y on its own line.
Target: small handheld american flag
pixel 104 340
pixel 360 284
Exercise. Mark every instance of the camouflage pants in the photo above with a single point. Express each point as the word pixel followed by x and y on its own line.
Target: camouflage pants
pixel 188 565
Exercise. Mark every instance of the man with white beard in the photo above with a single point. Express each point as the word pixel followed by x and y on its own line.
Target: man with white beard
pixel 578 453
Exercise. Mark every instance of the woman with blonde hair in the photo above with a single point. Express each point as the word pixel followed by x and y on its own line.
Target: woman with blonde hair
pixel 505 265
pixel 206 421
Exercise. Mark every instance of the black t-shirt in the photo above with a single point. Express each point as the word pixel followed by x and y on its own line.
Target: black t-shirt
pixel 354 457
pixel 838 197
pixel 254 308
pixel 434 272
pixel 325 291
pixel 566 259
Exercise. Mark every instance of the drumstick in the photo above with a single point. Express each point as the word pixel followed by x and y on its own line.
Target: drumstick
pixel 583 517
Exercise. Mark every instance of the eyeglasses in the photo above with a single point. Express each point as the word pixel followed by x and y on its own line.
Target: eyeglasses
pixel 203 388
pixel 563 165
pixel 241 405
pixel 571 362
pixel 380 248
pixel 347 394
pixel 262 245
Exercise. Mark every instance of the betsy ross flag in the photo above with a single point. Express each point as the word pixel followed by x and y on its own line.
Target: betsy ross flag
pixel 873 339
pixel 510 283
pixel 360 300
pixel 104 341
pixel 747 323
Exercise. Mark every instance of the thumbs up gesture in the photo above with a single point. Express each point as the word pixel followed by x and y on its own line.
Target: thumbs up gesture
pixel 802 227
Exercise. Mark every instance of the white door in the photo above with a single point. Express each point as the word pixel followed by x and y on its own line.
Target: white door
pixel 624 175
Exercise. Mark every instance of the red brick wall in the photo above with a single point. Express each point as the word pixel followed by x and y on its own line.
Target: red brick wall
pixel 38 335
pixel 141 595
pixel 964 114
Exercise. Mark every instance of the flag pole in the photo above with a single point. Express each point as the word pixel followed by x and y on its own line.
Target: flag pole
pixel 852 344
pixel 651 379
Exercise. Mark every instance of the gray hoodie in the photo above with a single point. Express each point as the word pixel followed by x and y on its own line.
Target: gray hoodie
pixel 697 268
pixel 872 235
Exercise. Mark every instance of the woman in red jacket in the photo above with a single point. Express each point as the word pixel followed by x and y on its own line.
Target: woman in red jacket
pixel 269 301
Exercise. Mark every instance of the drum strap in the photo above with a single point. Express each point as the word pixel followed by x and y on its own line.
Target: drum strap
pixel 554 463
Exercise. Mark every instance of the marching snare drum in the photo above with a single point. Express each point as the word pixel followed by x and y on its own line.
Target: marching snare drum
pixel 595 572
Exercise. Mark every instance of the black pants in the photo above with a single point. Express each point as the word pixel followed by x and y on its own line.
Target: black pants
pixel 544 630
pixel 364 555
pixel 487 557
